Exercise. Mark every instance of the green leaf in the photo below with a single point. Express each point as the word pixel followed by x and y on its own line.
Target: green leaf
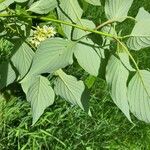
pixel 70 89
pixel 69 11
pixel 43 6
pixel 7 75
pixel 117 10
pixel 139 95
pixel 116 77
pixel 140 36
pixel 22 59
pixel 72 9
pixel 94 2
pixel 87 56
pixel 51 55
pixel 86 52
pixel 40 95
pixel 5 4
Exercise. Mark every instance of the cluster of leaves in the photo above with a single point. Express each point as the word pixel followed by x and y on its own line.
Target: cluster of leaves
pixel 39 70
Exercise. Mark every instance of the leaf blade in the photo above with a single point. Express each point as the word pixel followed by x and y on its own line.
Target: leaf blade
pixel 43 6
pixel 139 95
pixel 69 11
pixel 87 57
pixel 70 89
pixel 140 35
pixel 51 55
pixel 22 59
pixel 117 10
pixel 40 95
pixel 86 52
pixel 116 77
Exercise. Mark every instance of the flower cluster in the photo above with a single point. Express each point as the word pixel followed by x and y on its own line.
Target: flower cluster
pixel 41 34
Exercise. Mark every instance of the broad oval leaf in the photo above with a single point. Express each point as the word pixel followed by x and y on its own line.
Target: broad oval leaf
pixel 140 36
pixel 70 11
pixel 94 2
pixel 117 10
pixel 86 52
pixel 87 56
pixel 70 89
pixel 51 55
pixel 139 95
pixel 43 6
pixel 40 95
pixel 116 77
pixel 7 74
pixel 22 59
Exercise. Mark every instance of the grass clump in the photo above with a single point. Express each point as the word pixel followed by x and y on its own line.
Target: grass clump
pixel 63 126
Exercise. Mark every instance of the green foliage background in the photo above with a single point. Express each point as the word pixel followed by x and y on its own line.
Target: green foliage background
pixel 69 128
